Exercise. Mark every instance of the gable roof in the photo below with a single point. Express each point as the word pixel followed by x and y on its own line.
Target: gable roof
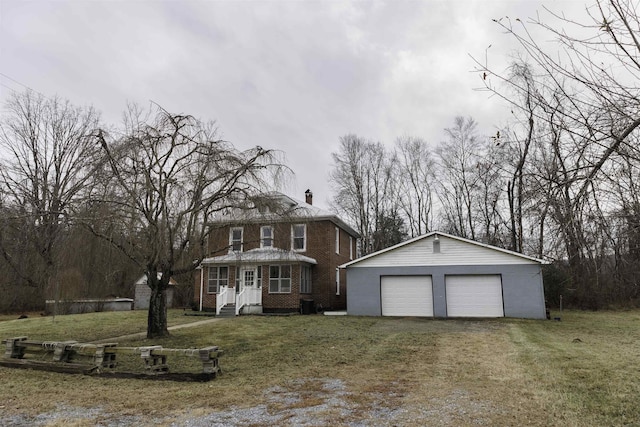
pixel 453 251
pixel 143 280
pixel 278 207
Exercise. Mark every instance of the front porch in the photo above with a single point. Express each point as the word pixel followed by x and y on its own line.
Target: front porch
pixel 266 279
pixel 230 303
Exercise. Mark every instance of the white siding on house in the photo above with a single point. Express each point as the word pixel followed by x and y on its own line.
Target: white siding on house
pixel 452 252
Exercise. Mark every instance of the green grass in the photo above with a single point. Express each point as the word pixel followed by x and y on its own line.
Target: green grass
pixel 588 363
pixel 582 371
pixel 84 327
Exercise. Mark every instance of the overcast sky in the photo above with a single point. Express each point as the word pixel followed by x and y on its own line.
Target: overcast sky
pixel 287 75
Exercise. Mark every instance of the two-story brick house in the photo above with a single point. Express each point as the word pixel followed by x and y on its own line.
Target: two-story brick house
pixel 270 257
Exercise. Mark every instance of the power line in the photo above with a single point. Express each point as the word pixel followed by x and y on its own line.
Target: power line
pixel 7 87
pixel 21 84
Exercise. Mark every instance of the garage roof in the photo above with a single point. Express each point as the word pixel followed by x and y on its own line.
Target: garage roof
pixel 453 251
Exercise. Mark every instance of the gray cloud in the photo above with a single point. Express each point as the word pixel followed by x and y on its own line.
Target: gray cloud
pixel 289 75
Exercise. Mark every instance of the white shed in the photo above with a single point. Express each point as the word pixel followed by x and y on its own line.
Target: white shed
pixel 143 293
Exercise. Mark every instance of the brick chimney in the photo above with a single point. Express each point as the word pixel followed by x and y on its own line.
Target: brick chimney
pixel 308 197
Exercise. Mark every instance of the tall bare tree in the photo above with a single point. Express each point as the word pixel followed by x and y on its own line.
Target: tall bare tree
pixel 517 144
pixel 458 156
pixel 587 112
pixel 416 174
pixel 47 148
pixel 165 179
pixel 490 197
pixel 362 179
pixel 595 69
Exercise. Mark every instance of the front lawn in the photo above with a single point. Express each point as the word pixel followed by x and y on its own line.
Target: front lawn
pixel 357 370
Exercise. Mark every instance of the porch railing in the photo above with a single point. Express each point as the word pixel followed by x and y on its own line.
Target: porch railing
pixel 241 300
pixel 221 298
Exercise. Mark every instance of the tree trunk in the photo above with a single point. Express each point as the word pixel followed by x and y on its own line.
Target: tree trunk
pixel 157 317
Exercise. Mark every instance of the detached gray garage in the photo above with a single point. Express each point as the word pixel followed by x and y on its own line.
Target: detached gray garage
pixel 440 275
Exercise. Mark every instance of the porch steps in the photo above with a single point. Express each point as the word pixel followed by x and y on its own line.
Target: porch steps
pixel 229 310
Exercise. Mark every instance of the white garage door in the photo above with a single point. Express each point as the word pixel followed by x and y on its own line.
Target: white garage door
pixel 406 296
pixel 474 296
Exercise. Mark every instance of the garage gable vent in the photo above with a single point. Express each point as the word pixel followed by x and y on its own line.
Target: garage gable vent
pixel 436 244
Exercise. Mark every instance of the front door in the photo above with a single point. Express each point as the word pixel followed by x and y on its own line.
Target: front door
pixel 249 283
pixel 247 277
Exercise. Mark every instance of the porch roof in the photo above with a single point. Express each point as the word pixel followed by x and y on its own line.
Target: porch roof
pixel 260 255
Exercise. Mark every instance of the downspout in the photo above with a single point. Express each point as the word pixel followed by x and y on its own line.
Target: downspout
pixel 201 285
pixel 202 275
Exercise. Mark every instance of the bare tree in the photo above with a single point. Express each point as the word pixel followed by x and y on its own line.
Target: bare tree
pixel 363 182
pixel 582 103
pixel 518 145
pixel 595 71
pixel 47 147
pixel 458 158
pixel 167 177
pixel 489 198
pixel 416 170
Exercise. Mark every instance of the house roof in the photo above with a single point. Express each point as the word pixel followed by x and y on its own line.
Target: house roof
pixel 420 242
pixel 143 280
pixel 278 207
pixel 265 255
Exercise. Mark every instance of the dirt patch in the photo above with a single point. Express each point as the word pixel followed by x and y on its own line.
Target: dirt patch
pixel 438 326
pixel 301 402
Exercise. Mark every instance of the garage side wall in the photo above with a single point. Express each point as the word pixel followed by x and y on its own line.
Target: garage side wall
pixel 522 288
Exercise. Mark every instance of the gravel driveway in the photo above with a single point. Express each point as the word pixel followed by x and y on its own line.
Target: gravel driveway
pixel 285 407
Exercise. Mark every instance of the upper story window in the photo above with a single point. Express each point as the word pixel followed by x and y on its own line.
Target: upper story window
pixel 235 239
pixel 266 236
pixel 337 240
pixel 299 237
pixel 218 276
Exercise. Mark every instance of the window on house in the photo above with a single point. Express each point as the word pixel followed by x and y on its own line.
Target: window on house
pixel 218 276
pixel 337 281
pixel 279 279
pixel 299 237
pixel 235 239
pixel 337 240
pixel 305 279
pixel 350 247
pixel 266 236
pixel 259 276
pixel 237 279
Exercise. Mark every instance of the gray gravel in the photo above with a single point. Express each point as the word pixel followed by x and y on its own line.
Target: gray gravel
pixel 285 407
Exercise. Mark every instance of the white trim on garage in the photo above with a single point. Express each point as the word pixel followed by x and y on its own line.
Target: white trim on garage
pixel 406 296
pixel 474 295
pixel 453 251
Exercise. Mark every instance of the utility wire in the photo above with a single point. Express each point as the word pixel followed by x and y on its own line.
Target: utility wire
pixel 7 87
pixel 21 84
